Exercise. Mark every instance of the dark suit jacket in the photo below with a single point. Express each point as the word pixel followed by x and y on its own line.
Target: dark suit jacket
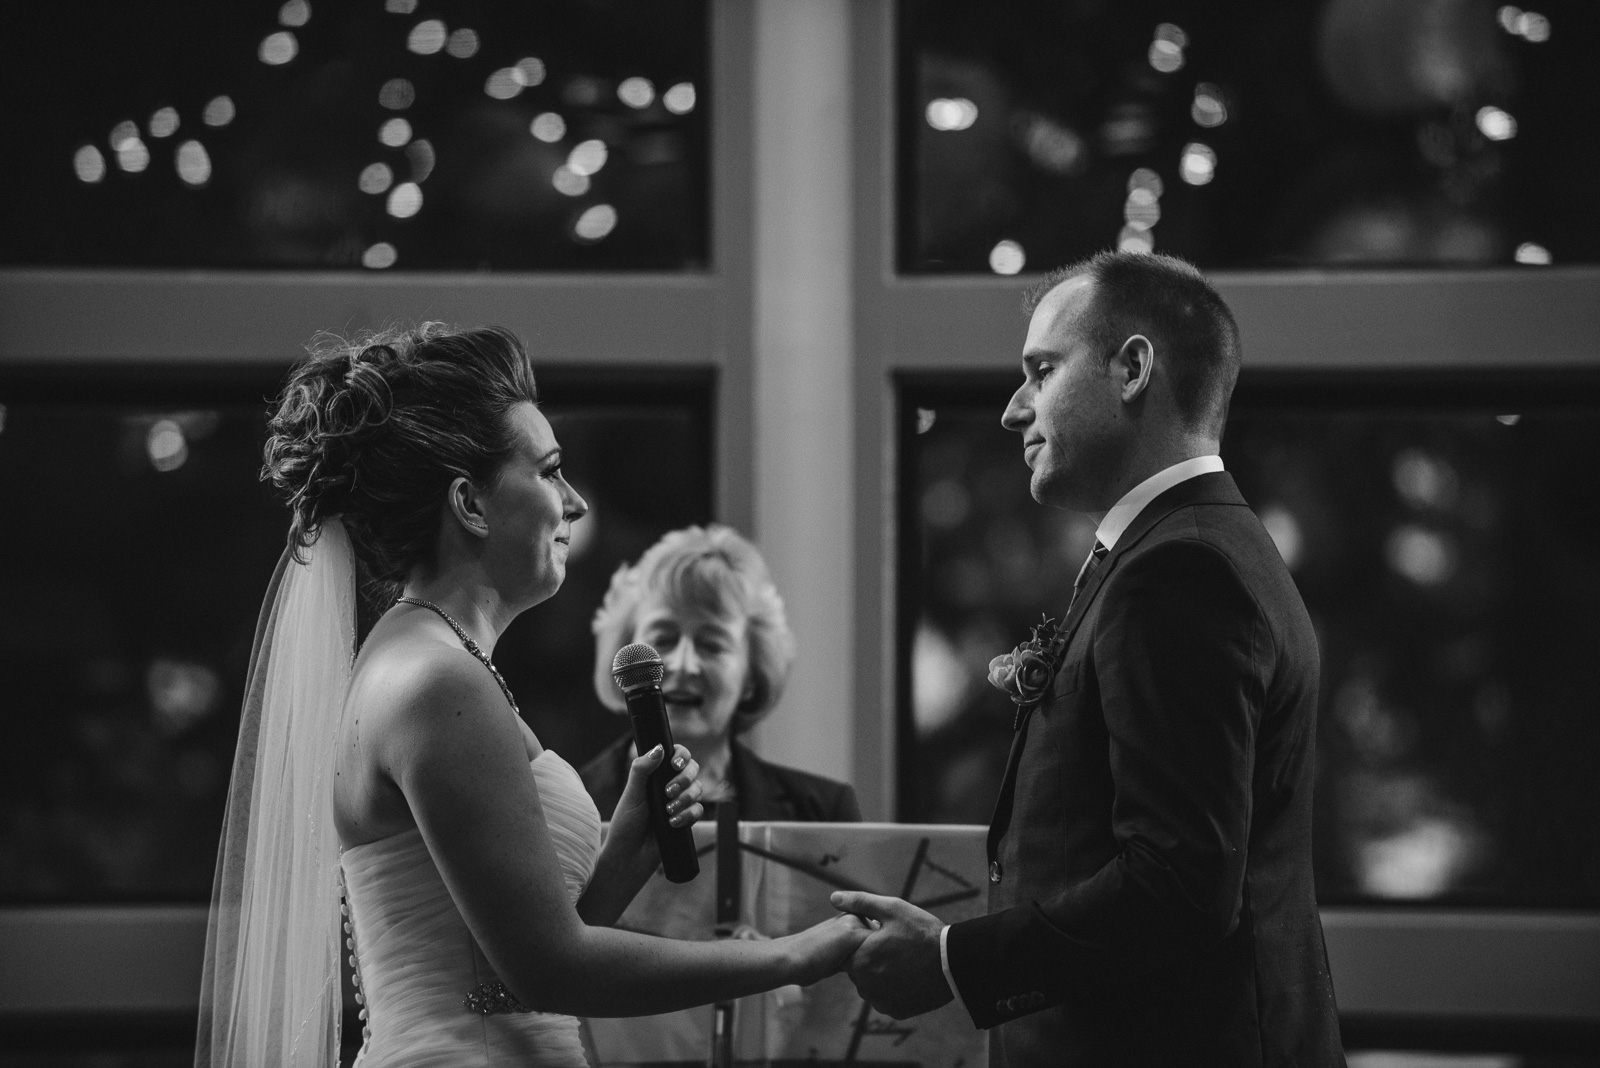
pixel 765 791
pixel 1155 903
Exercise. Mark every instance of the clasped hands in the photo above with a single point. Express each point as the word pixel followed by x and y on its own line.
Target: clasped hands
pixel 896 969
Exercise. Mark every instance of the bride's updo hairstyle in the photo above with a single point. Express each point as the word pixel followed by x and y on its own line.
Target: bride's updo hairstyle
pixel 373 430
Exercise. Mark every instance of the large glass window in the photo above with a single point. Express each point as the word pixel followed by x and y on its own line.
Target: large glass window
pixel 136 550
pixel 1444 536
pixel 1258 133
pixel 458 134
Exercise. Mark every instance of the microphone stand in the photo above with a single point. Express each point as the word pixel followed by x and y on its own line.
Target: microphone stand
pixel 730 868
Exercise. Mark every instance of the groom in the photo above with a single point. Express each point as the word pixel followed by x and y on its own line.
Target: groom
pixel 1151 898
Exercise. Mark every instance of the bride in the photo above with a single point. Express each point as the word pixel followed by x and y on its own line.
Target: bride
pixel 393 801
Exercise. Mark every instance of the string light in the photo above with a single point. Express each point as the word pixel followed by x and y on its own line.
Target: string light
pixel 1007 257
pixel 548 127
pixel 679 99
pixel 595 223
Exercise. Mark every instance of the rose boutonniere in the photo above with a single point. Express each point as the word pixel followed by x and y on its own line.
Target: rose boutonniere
pixel 1026 672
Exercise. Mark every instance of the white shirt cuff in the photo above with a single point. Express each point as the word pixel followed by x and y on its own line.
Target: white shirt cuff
pixel 944 962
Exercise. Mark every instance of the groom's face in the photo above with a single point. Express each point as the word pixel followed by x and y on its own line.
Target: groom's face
pixel 1067 407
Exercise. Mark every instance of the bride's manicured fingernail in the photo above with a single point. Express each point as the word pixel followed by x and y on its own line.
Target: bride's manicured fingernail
pixel 679 762
pixel 673 789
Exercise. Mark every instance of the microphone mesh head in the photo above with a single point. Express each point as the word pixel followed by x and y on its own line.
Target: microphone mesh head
pixel 637 665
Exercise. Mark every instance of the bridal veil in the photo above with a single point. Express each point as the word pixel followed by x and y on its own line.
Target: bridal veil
pixel 270 992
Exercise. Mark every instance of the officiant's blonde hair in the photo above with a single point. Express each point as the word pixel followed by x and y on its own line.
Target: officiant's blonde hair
pixel 712 568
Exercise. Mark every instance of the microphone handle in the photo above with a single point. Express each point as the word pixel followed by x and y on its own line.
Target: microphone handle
pixel 648 712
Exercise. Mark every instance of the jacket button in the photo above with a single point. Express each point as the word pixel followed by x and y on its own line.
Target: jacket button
pixel 1000 1006
pixel 994 871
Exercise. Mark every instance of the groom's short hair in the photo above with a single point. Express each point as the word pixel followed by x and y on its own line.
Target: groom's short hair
pixel 1169 301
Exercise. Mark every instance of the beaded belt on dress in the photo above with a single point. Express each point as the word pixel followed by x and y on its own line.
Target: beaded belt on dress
pixel 492 999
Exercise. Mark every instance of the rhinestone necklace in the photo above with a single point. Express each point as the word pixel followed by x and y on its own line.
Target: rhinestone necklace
pixel 471 646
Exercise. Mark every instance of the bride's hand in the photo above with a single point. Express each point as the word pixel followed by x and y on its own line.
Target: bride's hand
pixel 826 948
pixel 630 824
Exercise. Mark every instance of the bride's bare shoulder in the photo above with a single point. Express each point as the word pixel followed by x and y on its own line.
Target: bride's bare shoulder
pixel 404 676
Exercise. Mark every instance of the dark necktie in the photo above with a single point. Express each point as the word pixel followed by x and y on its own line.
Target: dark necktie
pixel 1008 791
pixel 1089 564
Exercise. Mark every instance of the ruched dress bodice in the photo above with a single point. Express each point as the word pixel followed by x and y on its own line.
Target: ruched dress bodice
pixel 430 994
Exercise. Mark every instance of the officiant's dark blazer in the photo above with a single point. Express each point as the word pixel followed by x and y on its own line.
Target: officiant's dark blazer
pixel 762 790
pixel 1155 902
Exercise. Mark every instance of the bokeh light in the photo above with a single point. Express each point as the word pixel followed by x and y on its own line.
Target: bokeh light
pixel 294 13
pixel 166 446
pixel 462 43
pixel 1209 109
pixel 426 37
pixel 1007 257
pixel 1198 164
pixel 529 71
pixel 1133 239
pixel 1166 49
pixel 395 132
pixel 1424 556
pixel 193 163
pixel 951 113
pixel 636 92
pixel 397 94
pixel 1052 146
pixel 422 158
pixel 1146 179
pixel 679 99
pixel 595 223
pixel 939 679
pixel 133 156
pixel 278 48
pixel 122 133
pixel 219 111
pixel 379 256
pixel 503 84
pixel 1529 25
pixel 405 200
pixel 587 157
pixel 89 165
pixel 399 7
pixel 1284 530
pixel 375 178
pixel 548 127
pixel 568 182
pixel 163 122
pixel 1142 209
pixel 1424 481
pixel 181 692
pixel 1496 124
pixel 1531 252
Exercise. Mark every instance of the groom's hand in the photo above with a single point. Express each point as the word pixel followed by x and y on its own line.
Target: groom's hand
pixel 896 970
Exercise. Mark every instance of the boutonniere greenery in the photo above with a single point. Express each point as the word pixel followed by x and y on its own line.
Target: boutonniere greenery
pixel 1026 672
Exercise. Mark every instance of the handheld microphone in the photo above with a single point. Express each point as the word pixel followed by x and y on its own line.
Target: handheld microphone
pixel 638 671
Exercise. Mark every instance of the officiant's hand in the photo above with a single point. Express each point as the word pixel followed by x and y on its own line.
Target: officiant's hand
pixel 897 969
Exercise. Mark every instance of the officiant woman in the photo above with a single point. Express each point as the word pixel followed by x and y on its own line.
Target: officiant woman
pixel 702 596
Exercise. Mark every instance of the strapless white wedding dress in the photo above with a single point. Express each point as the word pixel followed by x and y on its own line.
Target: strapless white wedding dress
pixel 430 995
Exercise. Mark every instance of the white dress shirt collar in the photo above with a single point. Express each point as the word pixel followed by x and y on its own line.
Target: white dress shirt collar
pixel 1125 511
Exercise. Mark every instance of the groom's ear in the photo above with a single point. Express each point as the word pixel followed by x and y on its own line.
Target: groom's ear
pixel 1132 367
pixel 465 502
